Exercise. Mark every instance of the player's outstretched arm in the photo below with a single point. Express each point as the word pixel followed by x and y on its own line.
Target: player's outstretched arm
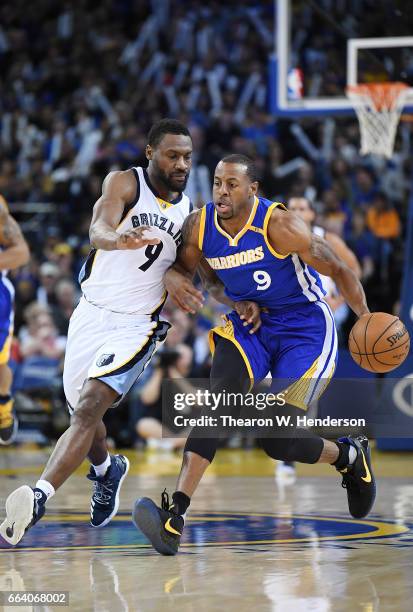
pixel 178 279
pixel 289 234
pixel 16 252
pixel 118 190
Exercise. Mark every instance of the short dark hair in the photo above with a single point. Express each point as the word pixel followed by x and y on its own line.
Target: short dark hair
pixel 163 127
pixel 294 196
pixel 238 158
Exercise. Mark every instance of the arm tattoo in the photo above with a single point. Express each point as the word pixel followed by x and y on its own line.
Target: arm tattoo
pixel 11 233
pixel 188 227
pixel 321 250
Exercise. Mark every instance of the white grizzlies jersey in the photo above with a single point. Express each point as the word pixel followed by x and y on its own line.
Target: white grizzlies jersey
pixel 131 281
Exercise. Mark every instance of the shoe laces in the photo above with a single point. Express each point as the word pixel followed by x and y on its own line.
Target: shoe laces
pixel 165 500
pixel 102 492
pixel 349 481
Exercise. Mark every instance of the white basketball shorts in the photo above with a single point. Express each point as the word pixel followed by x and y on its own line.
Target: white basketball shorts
pixel 112 347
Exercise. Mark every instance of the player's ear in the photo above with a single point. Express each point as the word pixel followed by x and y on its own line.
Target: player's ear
pixel 254 188
pixel 149 152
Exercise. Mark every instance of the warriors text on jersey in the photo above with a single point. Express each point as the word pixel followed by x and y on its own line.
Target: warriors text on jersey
pixel 131 281
pixel 250 268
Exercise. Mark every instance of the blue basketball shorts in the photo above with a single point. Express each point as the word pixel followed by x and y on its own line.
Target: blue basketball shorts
pixel 6 319
pixel 297 347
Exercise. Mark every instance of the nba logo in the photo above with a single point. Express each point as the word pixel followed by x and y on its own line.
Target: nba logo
pixel 295 84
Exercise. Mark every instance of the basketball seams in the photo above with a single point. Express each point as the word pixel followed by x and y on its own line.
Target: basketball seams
pixel 355 342
pixel 370 359
pixel 365 339
pixel 393 365
pixel 381 352
pixel 395 320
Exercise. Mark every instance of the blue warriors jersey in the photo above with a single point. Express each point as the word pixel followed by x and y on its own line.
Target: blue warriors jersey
pixel 250 268
pixel 6 308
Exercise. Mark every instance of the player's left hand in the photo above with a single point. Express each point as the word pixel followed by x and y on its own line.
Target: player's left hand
pixel 250 313
pixel 182 291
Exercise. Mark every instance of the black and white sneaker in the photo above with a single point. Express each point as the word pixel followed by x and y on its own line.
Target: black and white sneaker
pixel 24 507
pixel 162 526
pixel 358 478
pixel 105 498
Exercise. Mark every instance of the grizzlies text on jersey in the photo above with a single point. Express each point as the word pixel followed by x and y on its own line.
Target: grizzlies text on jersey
pixel 131 281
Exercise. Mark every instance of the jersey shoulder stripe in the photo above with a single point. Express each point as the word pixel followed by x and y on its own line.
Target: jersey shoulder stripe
pixel 272 207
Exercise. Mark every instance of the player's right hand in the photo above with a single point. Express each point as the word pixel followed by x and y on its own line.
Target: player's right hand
pixel 135 238
pixel 250 313
pixel 182 292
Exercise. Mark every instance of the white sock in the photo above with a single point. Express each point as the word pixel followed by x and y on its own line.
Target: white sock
pixel 352 454
pixel 46 487
pixel 101 469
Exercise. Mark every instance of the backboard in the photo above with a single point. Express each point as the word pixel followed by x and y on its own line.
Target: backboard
pixel 322 46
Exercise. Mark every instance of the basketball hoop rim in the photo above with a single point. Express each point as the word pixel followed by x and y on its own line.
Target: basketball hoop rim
pixel 378 107
pixel 383 95
pixel 385 86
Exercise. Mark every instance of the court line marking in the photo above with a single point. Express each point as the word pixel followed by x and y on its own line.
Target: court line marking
pixel 383 529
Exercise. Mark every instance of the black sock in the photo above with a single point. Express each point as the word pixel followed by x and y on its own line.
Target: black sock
pixel 343 455
pixel 181 502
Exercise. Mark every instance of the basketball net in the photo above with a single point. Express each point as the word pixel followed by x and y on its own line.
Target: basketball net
pixel 378 107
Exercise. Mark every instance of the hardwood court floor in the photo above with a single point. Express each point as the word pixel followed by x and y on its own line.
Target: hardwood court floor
pixel 248 545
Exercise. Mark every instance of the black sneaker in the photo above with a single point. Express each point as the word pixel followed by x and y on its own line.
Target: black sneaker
pixel 358 478
pixel 105 498
pixel 24 507
pixel 162 526
pixel 8 429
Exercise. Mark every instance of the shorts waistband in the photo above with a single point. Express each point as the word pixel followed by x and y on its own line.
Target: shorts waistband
pixel 132 316
pixel 293 308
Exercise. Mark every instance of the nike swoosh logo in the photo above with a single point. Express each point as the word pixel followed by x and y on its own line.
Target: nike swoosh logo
pixel 169 527
pixel 367 477
pixel 10 531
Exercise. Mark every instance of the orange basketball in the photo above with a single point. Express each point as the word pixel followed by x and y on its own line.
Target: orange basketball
pixel 379 342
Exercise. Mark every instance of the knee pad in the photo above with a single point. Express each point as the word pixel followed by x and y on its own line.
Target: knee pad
pixel 204 447
pixel 304 449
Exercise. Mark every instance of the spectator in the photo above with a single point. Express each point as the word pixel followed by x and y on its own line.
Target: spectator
pixel 152 425
pixel 42 339
pixel 363 244
pixel 49 274
pixel 382 218
pixel 364 187
pixel 67 298
pixel 334 218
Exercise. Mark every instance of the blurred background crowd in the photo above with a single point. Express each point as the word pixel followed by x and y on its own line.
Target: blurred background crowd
pixel 81 85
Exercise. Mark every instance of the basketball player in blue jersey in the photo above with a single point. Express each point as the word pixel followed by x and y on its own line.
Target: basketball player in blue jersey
pixel 263 253
pixel 14 253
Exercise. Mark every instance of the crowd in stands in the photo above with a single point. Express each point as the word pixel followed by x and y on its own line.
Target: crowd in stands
pixel 81 85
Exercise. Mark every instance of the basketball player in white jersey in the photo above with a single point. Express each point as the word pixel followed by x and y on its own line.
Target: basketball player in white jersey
pixel 303 208
pixel 115 329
